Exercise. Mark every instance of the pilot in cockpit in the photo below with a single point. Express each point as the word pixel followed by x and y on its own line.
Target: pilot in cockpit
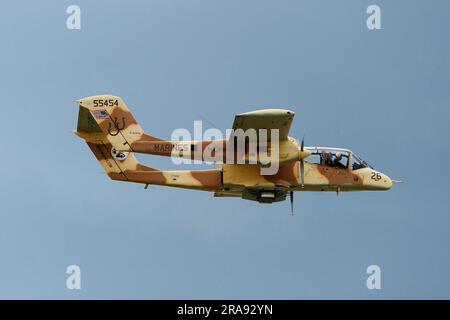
pixel 337 161
pixel 325 158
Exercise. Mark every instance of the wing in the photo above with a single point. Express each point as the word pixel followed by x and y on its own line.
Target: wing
pixel 266 119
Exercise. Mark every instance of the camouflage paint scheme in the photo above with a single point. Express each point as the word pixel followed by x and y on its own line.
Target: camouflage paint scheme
pixel 113 135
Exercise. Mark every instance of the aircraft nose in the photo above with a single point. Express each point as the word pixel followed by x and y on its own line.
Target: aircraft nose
pixel 387 182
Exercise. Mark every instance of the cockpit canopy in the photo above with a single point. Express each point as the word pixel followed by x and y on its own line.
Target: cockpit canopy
pixel 336 157
pixel 358 163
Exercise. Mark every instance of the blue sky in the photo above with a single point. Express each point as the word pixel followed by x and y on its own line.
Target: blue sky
pixel 384 94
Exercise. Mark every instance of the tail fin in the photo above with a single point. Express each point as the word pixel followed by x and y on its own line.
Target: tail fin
pixel 114 120
pixel 115 163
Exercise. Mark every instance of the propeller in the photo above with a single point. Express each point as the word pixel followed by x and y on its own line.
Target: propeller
pixel 302 163
pixel 292 201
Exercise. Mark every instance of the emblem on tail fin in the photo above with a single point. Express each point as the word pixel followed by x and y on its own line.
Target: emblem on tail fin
pixel 118 155
pixel 100 114
pixel 116 126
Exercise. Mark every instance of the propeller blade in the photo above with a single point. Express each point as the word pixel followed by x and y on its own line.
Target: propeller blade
pixel 292 202
pixel 302 163
pixel 302 152
pixel 302 172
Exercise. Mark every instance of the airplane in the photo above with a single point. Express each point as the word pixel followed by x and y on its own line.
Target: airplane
pixel 114 136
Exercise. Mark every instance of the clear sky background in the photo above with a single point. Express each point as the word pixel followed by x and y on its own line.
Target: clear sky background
pixel 384 94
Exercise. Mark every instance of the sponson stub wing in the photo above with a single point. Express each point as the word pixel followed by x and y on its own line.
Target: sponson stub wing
pixel 259 194
pixel 247 182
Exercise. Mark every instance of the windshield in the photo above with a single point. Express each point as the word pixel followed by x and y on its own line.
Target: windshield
pixel 358 163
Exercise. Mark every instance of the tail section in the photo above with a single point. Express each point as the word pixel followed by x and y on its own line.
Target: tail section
pixel 113 119
pixel 106 135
